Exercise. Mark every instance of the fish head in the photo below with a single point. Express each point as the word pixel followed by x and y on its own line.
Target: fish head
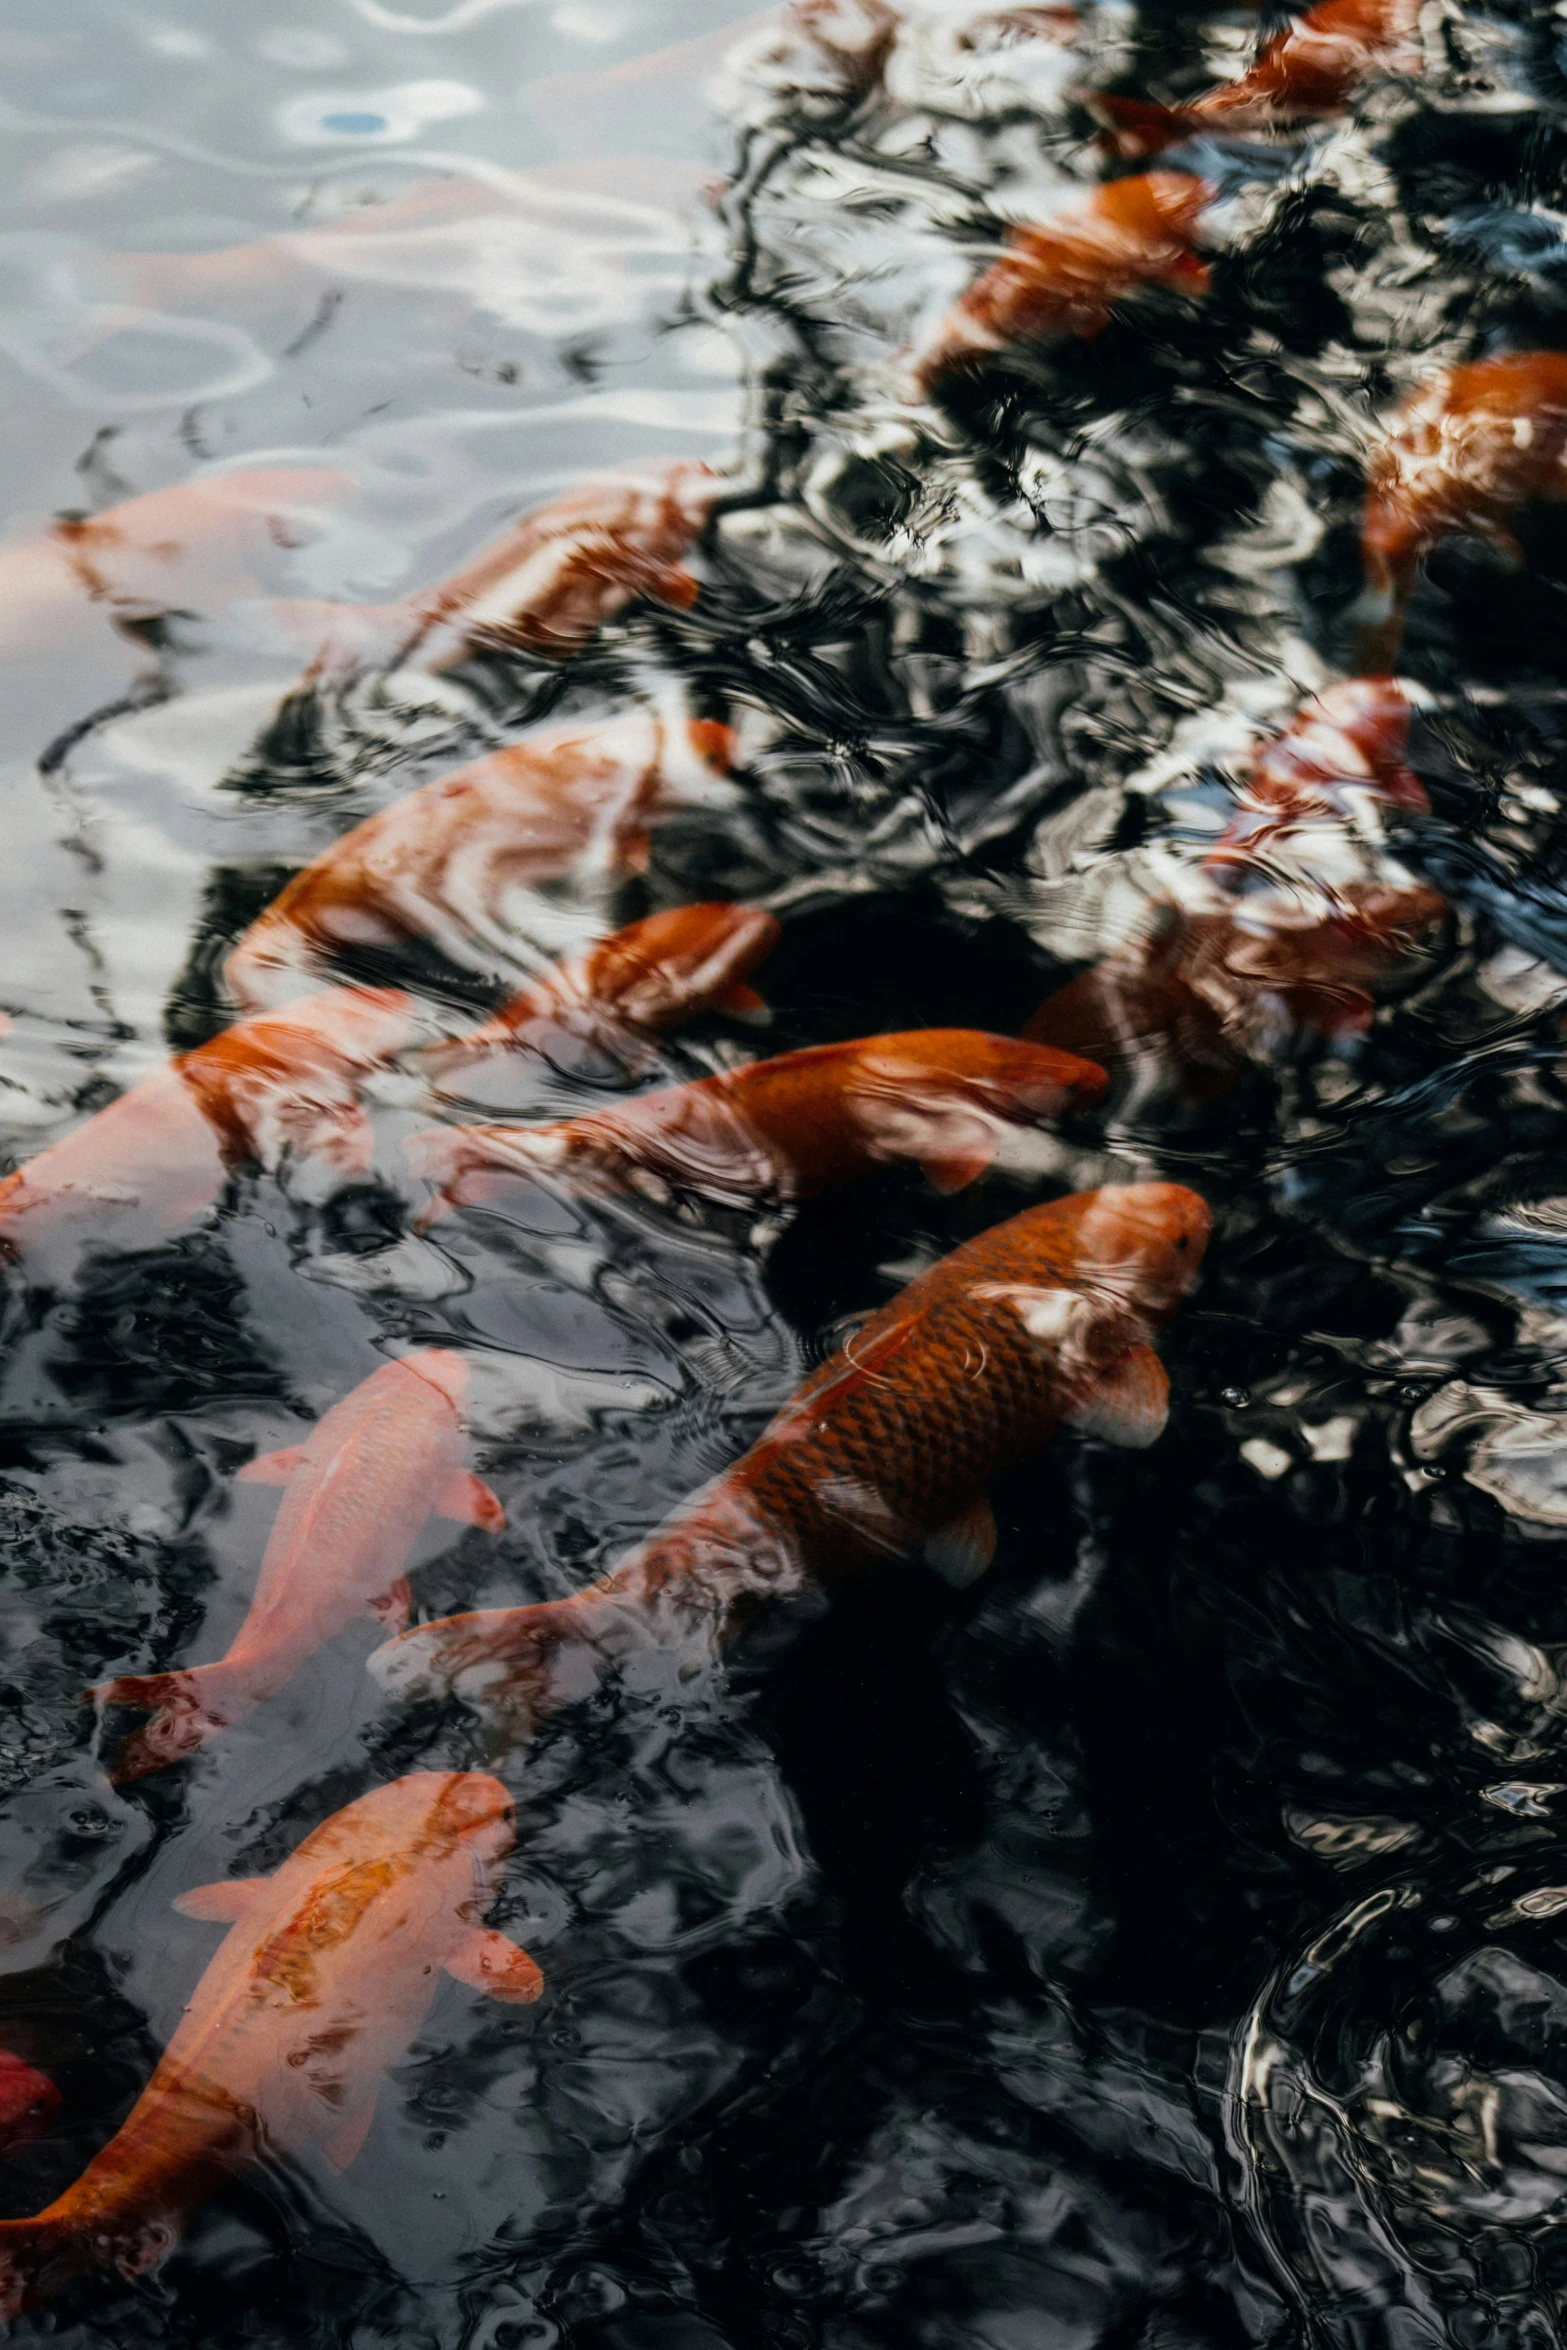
pixel 1020 1079
pixel 1140 1244
pixel 692 767
pixel 442 1368
pixel 357 1028
pixel 476 1811
pixel 674 963
pixel 1165 203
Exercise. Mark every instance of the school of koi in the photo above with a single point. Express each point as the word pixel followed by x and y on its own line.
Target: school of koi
pixel 1270 945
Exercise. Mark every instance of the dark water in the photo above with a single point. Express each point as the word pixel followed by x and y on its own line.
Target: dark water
pixel 1163 1943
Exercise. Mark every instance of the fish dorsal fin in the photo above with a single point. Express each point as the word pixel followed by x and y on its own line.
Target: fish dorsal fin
pixel 272 1468
pixel 951 1170
pixel 961 1550
pixel 224 1903
pixel 349 2136
pixel 488 1962
pixel 1129 1404
pixel 469 1501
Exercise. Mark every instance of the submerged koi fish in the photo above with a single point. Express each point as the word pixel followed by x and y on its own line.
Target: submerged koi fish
pixel 1290 923
pixel 649 977
pixel 545 588
pixel 784 1129
pixel 1464 454
pixel 29 2101
pixel 189 548
pixel 439 864
pixel 285 1082
pixel 886 1450
pixel 1302 74
pixel 1066 276
pixel 381 1462
pixel 322 1984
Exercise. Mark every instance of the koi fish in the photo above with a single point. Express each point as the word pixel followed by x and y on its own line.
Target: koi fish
pixel 439 863
pixel 647 978
pixel 1066 276
pixel 784 1129
pixel 545 588
pixel 358 1493
pixel 1308 71
pixel 286 1083
pixel 29 2101
pixel 886 1450
pixel 1462 455
pixel 322 1983
pixel 1290 923
pixel 189 548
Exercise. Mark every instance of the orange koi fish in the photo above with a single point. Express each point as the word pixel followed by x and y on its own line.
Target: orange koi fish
pixel 1462 455
pixel 645 979
pixel 29 2101
pixel 284 1084
pixel 785 1129
pixel 358 1493
pixel 1066 277
pixel 1308 71
pixel 190 548
pixel 323 1983
pixel 886 1450
pixel 1290 924
pixel 439 863
pixel 545 588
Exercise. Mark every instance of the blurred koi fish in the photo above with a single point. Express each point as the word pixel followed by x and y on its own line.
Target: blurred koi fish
pixel 29 2101
pixel 1291 925
pixel 1066 276
pixel 322 1984
pixel 286 1084
pixel 439 863
pixel 358 1493
pixel 649 977
pixel 187 549
pixel 886 1450
pixel 1308 71
pixel 784 1129
pixel 545 588
pixel 1463 455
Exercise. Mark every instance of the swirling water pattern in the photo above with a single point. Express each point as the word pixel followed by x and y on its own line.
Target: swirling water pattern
pixel 1160 1942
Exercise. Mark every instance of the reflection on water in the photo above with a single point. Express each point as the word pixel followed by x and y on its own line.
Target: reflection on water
pixel 747 594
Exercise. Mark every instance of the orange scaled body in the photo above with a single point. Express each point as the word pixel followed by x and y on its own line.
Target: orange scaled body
pixel 788 1128
pixel 322 1984
pixel 1304 73
pixel 885 1450
pixel 1463 455
pixel 1066 277
pixel 546 587
pixel 1291 924
pixel 29 2101
pixel 285 1082
pixel 381 1462
pixel 440 863
pixel 648 977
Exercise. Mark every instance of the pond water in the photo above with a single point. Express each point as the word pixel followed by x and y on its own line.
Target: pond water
pixel 1157 1936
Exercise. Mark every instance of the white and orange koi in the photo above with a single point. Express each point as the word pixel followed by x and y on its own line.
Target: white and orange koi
pixel 283 1086
pixel 358 1493
pixel 440 864
pixel 321 1985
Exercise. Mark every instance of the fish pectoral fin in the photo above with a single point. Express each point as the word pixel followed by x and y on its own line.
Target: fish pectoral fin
pixel 394 1605
pixel 272 1468
pixel 347 2139
pixel 951 1170
pixel 961 1550
pixel 224 1903
pixel 471 1503
pixel 488 1962
pixel 1130 1404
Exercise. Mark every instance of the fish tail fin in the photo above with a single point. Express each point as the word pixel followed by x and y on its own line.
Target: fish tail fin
pixel 1136 127
pixel 186 1708
pixel 38 2256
